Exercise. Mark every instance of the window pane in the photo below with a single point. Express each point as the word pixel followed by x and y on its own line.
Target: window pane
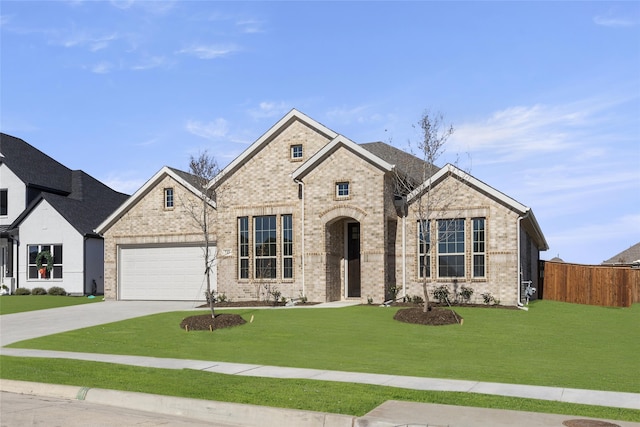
pixel 288 268
pixel 3 202
pixel 57 272
pixel 57 254
pixel 243 247
pixel 33 272
pixel 424 245
pixel 244 268
pixel 265 246
pixel 33 254
pixel 451 248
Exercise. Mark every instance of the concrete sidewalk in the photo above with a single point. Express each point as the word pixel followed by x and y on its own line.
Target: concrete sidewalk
pixel 20 326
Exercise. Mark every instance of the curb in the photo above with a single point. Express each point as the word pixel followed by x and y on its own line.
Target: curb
pixel 196 409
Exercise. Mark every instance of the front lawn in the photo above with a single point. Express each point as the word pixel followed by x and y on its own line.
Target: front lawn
pixel 553 344
pixel 10 304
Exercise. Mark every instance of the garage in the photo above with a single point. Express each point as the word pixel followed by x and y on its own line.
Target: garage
pixel 163 273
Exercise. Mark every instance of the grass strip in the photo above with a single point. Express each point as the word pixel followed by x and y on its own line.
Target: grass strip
pixel 323 396
pixel 10 304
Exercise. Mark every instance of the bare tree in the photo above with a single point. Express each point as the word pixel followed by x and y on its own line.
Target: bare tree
pixel 431 145
pixel 203 169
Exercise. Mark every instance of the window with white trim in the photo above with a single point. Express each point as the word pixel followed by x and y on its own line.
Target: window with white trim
pixel 296 152
pixel 451 248
pixel 168 198
pixel 287 247
pixel 243 247
pixel 478 258
pixel 264 232
pixel 4 202
pixel 424 248
pixel 342 189
pixel 49 260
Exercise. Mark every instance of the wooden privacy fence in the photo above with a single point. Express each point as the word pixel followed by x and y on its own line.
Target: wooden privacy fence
pixel 590 284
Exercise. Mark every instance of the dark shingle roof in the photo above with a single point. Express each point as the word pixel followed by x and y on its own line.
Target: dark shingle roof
pixel 407 164
pixel 625 257
pixel 33 167
pixel 81 199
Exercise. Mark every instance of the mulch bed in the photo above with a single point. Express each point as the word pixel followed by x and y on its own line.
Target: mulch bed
pixel 435 317
pixel 204 322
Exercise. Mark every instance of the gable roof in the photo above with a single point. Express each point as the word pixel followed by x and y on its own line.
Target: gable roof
pixel 81 199
pixel 406 163
pixel 33 167
pixel 525 212
pixel 186 179
pixel 628 256
pixel 268 136
pixel 337 142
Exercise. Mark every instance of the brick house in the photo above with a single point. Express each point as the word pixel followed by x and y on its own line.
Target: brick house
pixel 310 213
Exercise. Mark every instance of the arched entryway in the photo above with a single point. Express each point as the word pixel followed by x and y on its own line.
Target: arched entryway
pixel 343 248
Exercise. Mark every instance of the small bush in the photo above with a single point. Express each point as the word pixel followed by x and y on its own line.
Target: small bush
pixel 23 291
pixel 417 299
pixel 466 293
pixel 57 290
pixel 489 299
pixel 369 300
pixel 38 291
pixel 441 293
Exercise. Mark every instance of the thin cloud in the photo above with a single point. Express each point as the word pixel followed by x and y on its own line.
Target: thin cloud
pixel 359 114
pixel 212 130
pixel 250 26
pixel 209 51
pixel 516 133
pixel 103 67
pixel 150 63
pixel 614 22
pixel 267 109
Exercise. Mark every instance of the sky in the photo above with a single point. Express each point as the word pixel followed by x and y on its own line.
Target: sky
pixel 544 97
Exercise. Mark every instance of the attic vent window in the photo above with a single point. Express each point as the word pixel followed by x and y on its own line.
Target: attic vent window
pixel 296 152
pixel 168 198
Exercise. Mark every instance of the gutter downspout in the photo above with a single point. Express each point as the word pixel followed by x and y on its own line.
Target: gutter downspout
pixel 301 184
pixel 404 255
pixel 518 228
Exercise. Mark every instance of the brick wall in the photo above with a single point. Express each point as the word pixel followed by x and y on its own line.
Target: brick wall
pixel 455 199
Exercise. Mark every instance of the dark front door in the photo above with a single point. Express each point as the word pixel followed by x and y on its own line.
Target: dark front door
pixel 353 259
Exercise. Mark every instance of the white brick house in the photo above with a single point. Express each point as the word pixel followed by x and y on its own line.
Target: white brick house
pixel 310 213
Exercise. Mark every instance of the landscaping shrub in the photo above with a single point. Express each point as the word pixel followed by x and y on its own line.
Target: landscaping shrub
pixel 466 293
pixel 57 290
pixel 23 291
pixel 38 291
pixel 489 299
pixel 441 293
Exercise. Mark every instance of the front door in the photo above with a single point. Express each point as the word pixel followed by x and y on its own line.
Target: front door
pixel 353 259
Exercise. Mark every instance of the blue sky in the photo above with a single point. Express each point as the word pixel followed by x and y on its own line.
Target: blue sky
pixel 544 96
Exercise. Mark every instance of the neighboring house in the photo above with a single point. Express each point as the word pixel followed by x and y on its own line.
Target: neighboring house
pixel 628 257
pixel 308 212
pixel 46 207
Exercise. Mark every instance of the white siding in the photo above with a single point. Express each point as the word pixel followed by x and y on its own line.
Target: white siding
pixel 45 226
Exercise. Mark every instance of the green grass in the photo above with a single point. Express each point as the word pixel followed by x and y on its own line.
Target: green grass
pixel 553 344
pixel 10 304
pixel 325 396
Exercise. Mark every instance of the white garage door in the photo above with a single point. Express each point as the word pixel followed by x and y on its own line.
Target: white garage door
pixel 163 273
